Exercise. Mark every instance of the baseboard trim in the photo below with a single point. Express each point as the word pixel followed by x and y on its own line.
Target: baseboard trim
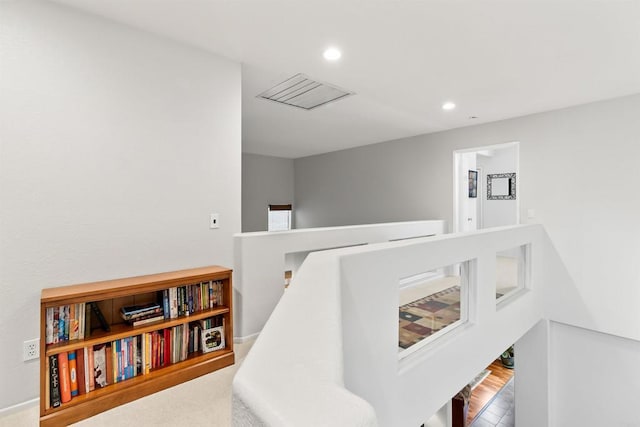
pixel 240 340
pixel 19 407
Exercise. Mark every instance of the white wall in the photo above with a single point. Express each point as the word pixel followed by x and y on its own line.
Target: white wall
pixel 261 260
pixel 578 172
pixel 467 206
pixel 614 402
pixel 354 343
pixel 265 180
pixel 115 145
pixel 496 213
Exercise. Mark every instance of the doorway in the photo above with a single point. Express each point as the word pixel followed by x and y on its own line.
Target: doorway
pixel 478 204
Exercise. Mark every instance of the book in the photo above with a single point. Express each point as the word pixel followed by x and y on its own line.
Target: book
pixel 49 326
pixel 165 303
pixel 61 323
pixel 54 382
pixel 73 373
pixel 65 377
pixel 90 370
pixel 173 303
pixel 56 325
pixel 144 315
pixel 144 321
pixel 167 347
pixel 67 311
pixel 213 339
pixel 81 323
pixel 80 370
pixel 135 311
pixel 73 322
pixel 109 362
pixel 100 366
pixel 87 320
pixel 147 349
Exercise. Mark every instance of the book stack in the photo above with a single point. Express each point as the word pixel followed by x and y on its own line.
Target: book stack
pixel 142 314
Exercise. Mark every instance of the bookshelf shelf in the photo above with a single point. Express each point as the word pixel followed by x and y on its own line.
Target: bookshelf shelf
pixel 111 296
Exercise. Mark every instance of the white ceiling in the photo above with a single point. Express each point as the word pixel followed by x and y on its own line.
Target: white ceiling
pixel 494 59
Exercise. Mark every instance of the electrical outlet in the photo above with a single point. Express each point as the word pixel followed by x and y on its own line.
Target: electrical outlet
pixel 214 220
pixel 31 349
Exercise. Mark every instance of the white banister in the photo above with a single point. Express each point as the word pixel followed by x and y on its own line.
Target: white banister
pixel 260 261
pixel 329 353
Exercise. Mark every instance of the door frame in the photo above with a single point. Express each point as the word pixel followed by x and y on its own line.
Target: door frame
pixel 456 178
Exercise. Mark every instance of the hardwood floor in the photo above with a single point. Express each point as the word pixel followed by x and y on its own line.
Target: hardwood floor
pixel 488 388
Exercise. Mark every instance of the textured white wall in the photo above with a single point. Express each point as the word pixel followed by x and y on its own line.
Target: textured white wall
pixel 265 180
pixel 115 146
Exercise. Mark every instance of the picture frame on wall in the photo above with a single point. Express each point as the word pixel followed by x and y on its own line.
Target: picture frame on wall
pixel 473 184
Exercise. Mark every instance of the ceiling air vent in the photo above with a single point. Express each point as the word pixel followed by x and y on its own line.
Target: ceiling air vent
pixel 302 92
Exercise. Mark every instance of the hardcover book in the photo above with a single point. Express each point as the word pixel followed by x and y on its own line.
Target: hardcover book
pixel 65 378
pixel 100 366
pixel 73 373
pixel 54 381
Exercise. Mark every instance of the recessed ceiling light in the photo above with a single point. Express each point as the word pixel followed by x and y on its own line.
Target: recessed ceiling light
pixel 332 54
pixel 448 106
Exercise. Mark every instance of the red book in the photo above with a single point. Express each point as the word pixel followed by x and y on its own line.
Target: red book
pixel 80 370
pixel 73 372
pixel 167 346
pixel 65 379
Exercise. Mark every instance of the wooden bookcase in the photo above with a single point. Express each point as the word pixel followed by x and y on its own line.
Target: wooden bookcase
pixel 110 296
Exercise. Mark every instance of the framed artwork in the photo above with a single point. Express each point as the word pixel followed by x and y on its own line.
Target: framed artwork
pixel 473 184
pixel 501 186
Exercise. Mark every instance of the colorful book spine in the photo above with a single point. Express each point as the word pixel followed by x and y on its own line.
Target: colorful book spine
pixel 54 382
pixel 165 303
pixel 56 325
pixel 49 326
pixel 173 303
pixel 73 322
pixel 100 366
pixel 73 373
pixel 88 373
pixel 91 370
pixel 61 323
pixel 66 322
pixel 211 301
pixel 65 377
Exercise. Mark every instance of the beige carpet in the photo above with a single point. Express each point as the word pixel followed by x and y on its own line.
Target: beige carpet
pixel 205 401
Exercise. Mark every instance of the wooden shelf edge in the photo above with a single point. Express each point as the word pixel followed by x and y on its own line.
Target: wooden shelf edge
pixel 92 291
pixel 109 399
